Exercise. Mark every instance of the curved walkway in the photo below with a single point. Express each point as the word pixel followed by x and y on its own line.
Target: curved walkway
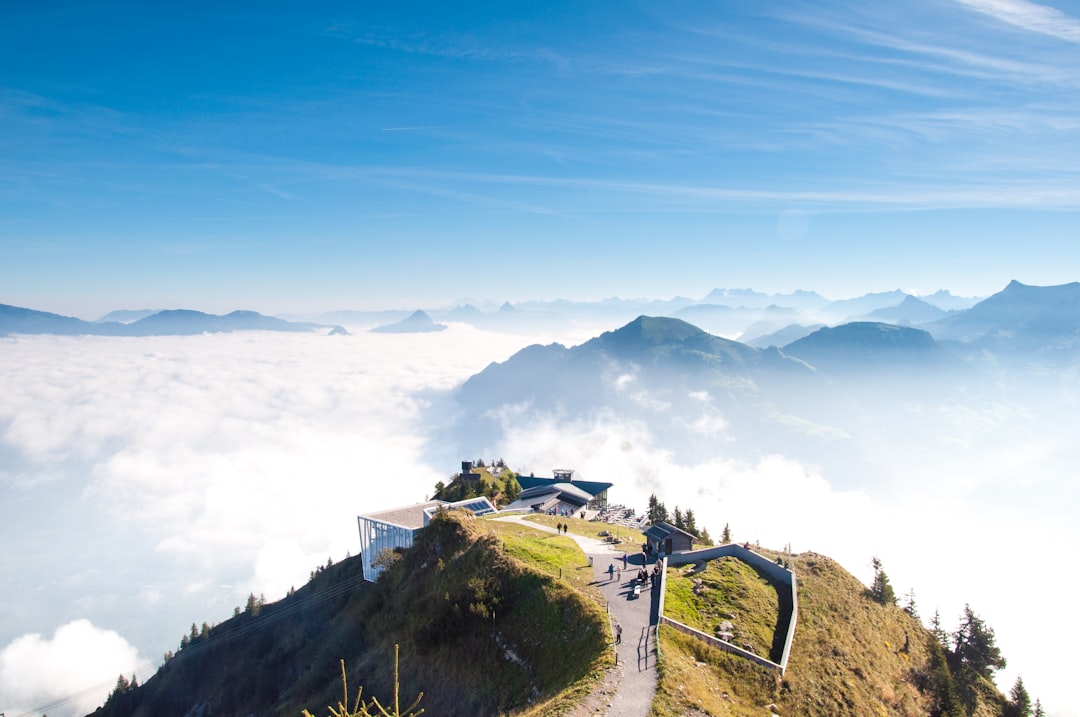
pixel 638 617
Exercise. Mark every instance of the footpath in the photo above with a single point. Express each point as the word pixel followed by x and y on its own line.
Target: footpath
pixel 637 616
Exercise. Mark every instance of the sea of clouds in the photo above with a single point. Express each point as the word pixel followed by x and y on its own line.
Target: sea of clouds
pixel 149 483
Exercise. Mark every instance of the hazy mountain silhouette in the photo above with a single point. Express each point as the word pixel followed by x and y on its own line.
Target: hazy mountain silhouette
pixel 911 310
pixel 863 346
pixel 1033 320
pixel 947 301
pixel 415 323
pixel 17 320
pixel 782 337
pixel 661 371
pixel 178 322
pixel 863 305
pixel 126 316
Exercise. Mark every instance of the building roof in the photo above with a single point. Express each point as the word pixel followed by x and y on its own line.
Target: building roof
pixel 408 516
pixel 593 488
pixel 663 531
pixel 564 489
pixel 413 516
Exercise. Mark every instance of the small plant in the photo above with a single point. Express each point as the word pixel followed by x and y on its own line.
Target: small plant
pixel 374 709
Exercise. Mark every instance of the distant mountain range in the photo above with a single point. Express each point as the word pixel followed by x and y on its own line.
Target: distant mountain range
pixel 792 392
pixel 178 322
pixel 417 322
pixel 1042 321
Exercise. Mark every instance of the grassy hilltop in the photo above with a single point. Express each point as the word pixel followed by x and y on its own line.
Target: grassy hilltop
pixel 497 618
pixel 851 655
pixel 437 602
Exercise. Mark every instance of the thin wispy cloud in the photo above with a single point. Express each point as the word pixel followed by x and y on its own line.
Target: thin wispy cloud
pixel 1030 16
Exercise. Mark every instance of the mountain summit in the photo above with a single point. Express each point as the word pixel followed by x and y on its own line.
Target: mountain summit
pixel 415 323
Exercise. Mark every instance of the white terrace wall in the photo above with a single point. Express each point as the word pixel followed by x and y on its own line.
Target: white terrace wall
pixel 781 575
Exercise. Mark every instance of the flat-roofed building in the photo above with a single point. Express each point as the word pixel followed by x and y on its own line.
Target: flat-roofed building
pixel 596 491
pixel 397 527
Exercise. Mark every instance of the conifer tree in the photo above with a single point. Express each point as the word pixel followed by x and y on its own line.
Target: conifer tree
pixel 943 688
pixel 975 646
pixel 909 605
pixel 1019 704
pixel 1038 710
pixel 657 512
pixel 937 631
pixel 881 591
pixel 725 537
pixel 680 522
pixel 691 523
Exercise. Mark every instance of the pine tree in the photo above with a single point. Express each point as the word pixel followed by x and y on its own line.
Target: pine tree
pixel 975 646
pixel 680 522
pixel 881 591
pixel 1038 710
pixel 943 688
pixel 691 523
pixel 909 605
pixel 725 537
pixel 937 631
pixel 657 512
pixel 1019 704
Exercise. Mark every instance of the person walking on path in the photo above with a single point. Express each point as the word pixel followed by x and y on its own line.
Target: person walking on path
pixel 624 561
pixel 611 571
pixel 618 634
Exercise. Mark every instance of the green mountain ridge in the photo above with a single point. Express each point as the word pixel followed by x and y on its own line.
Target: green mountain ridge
pixel 484 634
pixel 437 602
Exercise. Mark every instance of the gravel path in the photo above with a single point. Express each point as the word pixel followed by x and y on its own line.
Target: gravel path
pixel 637 616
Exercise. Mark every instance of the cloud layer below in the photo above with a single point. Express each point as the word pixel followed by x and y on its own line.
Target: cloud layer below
pixel 155 482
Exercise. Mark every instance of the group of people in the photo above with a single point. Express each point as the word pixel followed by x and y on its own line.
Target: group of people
pixel 562 528
pixel 645 576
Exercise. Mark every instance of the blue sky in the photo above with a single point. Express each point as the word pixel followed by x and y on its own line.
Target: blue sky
pixel 305 157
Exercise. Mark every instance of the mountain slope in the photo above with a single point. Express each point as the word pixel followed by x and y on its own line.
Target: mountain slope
pixel 1019 318
pixel 176 322
pixel 18 320
pixel 417 322
pixel 911 310
pixel 851 656
pixel 437 603
pixel 863 346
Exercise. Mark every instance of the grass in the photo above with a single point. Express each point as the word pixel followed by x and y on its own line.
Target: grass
pixel 695 678
pixel 631 537
pixel 848 656
pixel 730 591
pixel 557 556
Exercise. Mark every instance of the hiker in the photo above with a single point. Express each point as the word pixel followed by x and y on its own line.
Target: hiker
pixel 611 571
pixel 558 528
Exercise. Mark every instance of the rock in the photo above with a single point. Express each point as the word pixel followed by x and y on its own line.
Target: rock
pixel 725 627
